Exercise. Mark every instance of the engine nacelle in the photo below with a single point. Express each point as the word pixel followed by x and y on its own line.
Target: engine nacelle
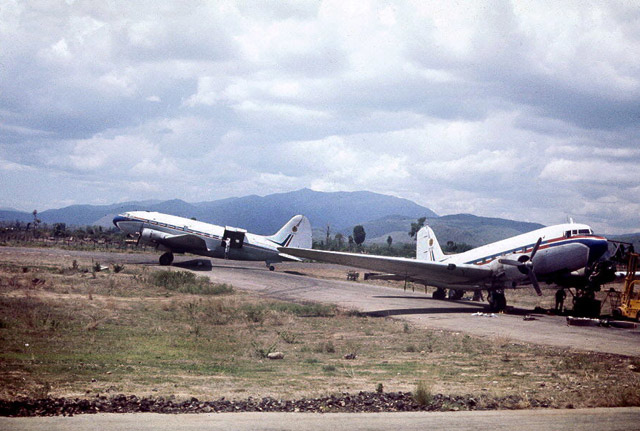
pixel 151 236
pixel 565 258
pixel 510 273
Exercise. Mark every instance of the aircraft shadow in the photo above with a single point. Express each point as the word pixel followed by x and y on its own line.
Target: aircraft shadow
pixel 294 273
pixel 248 268
pixel 406 311
pixel 195 264
pixel 463 307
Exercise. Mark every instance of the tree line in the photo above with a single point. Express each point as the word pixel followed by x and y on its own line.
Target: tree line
pixel 355 243
pixel 37 232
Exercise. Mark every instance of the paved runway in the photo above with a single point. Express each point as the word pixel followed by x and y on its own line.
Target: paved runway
pixel 422 310
pixel 618 419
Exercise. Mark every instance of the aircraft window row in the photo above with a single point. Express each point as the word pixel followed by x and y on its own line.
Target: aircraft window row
pixel 570 233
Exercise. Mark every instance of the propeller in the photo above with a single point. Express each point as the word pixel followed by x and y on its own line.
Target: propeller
pixel 140 234
pixel 525 266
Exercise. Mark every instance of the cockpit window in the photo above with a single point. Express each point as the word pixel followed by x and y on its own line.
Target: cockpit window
pixel 567 234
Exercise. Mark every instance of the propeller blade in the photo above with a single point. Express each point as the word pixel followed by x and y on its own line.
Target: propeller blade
pixel 535 248
pixel 139 234
pixel 534 282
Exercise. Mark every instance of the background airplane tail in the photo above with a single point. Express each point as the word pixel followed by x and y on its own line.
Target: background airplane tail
pixel 427 246
pixel 296 233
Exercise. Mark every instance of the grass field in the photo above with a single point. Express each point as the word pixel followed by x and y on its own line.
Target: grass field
pixel 69 330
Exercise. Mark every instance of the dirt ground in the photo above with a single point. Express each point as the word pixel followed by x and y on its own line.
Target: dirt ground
pixel 78 333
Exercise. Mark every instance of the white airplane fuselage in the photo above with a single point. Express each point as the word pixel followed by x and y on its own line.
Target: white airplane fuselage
pixel 562 249
pixel 175 234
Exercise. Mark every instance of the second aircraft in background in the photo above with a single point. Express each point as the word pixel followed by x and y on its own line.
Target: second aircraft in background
pixel 173 234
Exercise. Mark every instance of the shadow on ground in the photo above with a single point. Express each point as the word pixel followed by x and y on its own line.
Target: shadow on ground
pixel 195 264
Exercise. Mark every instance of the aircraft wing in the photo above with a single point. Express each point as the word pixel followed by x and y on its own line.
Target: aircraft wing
pixel 183 242
pixel 439 274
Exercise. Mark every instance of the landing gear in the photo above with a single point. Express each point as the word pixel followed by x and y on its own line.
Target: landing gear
pixel 166 259
pixel 270 266
pixel 440 293
pixel 455 294
pixel 585 303
pixel 497 301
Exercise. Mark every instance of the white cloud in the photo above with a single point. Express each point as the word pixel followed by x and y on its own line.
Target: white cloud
pixel 14 167
pixel 591 172
pixel 525 110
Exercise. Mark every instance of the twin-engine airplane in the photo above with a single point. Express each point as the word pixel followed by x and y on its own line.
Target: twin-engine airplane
pixel 173 234
pixel 551 254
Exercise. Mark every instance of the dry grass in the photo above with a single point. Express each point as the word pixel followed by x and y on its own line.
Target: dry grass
pixel 76 333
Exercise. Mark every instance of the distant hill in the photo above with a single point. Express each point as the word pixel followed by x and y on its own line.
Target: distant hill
pixel 458 228
pixel 263 215
pixel 381 216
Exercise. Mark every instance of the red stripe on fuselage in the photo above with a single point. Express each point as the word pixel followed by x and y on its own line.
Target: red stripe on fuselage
pixel 552 242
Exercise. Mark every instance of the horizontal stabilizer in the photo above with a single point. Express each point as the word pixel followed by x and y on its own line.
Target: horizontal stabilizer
pixel 289 257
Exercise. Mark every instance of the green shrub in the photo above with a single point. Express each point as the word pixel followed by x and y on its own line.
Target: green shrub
pixel 188 282
pixel 423 395
pixel 306 310
pixel 262 351
pixel 288 337
pixel 255 313
pixel 325 347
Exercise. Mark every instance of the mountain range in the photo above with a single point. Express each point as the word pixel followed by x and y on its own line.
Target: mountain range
pixel 380 215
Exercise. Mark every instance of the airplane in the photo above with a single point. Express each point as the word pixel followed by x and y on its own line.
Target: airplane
pixel 173 234
pixel 555 254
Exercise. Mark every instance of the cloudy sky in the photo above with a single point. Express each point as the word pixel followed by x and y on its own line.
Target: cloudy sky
pixel 519 109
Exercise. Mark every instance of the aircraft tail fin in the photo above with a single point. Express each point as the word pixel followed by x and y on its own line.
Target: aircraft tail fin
pixel 427 246
pixel 296 233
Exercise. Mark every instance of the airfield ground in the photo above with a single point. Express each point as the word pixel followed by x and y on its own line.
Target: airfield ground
pixel 69 332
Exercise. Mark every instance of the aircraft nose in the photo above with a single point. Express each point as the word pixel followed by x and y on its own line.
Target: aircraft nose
pixel 117 219
pixel 597 248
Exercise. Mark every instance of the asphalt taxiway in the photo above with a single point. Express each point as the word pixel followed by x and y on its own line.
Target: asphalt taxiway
pixel 615 419
pixel 288 284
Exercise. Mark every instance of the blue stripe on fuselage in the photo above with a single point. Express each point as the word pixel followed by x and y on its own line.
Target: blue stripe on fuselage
pixel 597 247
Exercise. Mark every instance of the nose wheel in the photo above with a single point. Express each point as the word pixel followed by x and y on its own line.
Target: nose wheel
pixel 270 266
pixel 166 259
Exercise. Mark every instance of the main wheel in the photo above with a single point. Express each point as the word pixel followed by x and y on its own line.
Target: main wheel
pixel 455 294
pixel 440 293
pixel 497 301
pixel 166 259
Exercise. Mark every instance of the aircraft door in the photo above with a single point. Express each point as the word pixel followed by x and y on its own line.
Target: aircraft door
pixel 233 237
